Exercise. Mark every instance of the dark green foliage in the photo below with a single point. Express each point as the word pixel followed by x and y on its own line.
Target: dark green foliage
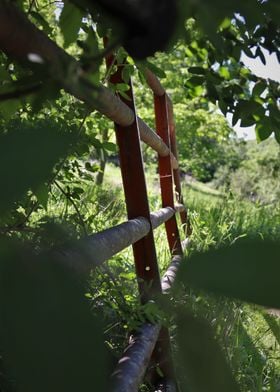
pixel 28 153
pixel 70 22
pixel 247 270
pixel 254 175
pixel 48 336
pixel 201 360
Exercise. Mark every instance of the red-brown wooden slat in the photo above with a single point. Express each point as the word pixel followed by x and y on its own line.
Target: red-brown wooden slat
pixel 166 175
pixel 176 171
pixel 153 82
pixel 136 196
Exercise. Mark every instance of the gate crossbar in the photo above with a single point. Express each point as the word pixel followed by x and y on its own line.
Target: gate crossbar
pixel 131 367
pixel 92 251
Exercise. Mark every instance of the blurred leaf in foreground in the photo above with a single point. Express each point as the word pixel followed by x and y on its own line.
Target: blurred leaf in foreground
pixel 49 339
pixel 28 152
pixel 247 270
pixel 202 363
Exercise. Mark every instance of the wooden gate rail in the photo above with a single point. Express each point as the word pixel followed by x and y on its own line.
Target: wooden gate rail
pixel 90 252
pixel 19 38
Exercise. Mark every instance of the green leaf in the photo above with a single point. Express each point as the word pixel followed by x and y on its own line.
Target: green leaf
pixel 262 132
pixel 273 324
pixel 249 53
pixel 127 72
pixel 226 23
pixel 259 88
pixel 9 107
pixel 223 106
pixel 260 54
pixel 109 146
pixel 245 111
pixel 92 168
pixel 224 72
pixel 247 270
pixel 277 135
pixel 70 22
pixel 4 74
pixel 121 87
pixel 247 121
pixel 197 70
pixel 201 361
pixel 156 70
pixel 42 195
pixel 50 339
pixel 41 21
pixel 196 80
pixel 28 152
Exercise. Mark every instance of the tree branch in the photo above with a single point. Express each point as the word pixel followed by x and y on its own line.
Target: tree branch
pixel 19 38
pixel 20 92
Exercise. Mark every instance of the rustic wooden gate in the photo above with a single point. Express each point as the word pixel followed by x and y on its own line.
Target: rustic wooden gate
pixel 151 343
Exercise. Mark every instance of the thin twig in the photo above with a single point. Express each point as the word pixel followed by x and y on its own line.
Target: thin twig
pixel 69 198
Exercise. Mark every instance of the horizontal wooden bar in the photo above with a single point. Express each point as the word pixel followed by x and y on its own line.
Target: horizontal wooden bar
pixel 170 275
pixel 161 216
pixel 180 207
pixel 132 366
pixel 153 82
pixel 149 137
pixel 109 104
pixel 93 250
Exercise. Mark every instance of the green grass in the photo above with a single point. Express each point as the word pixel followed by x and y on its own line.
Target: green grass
pixel 248 335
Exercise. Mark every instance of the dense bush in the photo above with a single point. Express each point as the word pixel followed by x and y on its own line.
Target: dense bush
pixel 257 175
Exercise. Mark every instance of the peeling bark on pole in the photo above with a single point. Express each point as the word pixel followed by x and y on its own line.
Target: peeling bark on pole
pixel 92 251
pixel 152 139
pixel 133 364
pixel 161 216
pixel 170 275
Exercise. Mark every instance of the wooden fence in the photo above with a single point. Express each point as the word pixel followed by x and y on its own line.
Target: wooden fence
pixel 151 344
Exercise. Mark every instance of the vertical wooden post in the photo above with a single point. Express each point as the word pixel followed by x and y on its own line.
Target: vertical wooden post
pixel 176 172
pixel 166 175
